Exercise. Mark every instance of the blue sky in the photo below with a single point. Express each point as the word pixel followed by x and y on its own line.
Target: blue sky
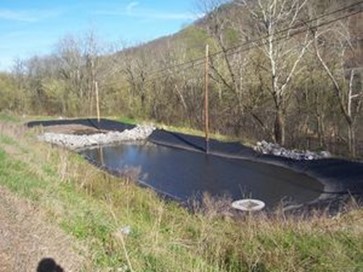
pixel 29 27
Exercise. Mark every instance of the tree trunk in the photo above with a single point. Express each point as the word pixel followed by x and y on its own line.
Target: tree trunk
pixel 321 130
pixel 279 129
pixel 351 139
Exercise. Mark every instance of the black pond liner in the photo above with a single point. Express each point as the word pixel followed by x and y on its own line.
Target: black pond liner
pixel 340 179
pixel 104 124
pixel 186 174
pixel 339 176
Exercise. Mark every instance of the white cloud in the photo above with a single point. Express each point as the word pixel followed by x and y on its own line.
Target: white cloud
pixel 153 14
pixel 28 16
pixel 136 10
pixel 131 6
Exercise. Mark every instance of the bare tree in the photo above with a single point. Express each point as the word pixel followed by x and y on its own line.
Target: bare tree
pixel 182 83
pixel 275 21
pixel 83 63
pixel 340 56
pixel 19 77
pixel 230 69
pixel 136 72
pixel 70 71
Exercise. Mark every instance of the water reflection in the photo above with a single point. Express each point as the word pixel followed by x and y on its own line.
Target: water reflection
pixel 184 174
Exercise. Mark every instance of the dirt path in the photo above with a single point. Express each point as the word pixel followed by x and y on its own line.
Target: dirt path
pixel 26 237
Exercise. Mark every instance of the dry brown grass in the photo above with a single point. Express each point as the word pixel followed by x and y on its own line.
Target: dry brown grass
pixel 93 206
pixel 27 236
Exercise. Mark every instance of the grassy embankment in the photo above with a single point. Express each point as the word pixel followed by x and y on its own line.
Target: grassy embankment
pixel 93 206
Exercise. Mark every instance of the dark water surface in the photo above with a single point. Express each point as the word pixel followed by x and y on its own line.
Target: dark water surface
pixel 184 174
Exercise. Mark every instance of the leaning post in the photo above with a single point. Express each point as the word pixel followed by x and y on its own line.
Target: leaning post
pixel 97 102
pixel 206 100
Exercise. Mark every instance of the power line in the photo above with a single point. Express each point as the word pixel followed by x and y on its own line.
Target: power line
pixel 201 59
pixel 252 43
pixel 162 75
pixel 287 36
pixel 302 24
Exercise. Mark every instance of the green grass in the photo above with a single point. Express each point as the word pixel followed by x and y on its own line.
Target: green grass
pixel 93 206
pixel 127 120
pixel 7 117
pixel 7 140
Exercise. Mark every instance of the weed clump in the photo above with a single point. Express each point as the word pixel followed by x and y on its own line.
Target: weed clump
pixel 93 206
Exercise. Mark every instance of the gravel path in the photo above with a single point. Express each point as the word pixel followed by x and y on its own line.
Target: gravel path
pixel 26 238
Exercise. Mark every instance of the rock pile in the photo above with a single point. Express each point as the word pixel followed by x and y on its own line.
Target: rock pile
pixel 275 149
pixel 140 132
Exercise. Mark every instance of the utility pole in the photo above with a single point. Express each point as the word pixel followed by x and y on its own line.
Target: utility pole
pixel 97 102
pixel 206 100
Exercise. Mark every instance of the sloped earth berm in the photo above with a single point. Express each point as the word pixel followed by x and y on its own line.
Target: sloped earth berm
pixel 342 179
pixel 26 238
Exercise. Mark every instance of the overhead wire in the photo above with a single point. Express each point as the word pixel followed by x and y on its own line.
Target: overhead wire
pixel 248 45
pixel 252 44
pixel 302 24
pixel 307 28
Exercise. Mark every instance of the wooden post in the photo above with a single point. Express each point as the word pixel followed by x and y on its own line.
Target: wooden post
pixel 97 102
pixel 206 100
pixel 100 149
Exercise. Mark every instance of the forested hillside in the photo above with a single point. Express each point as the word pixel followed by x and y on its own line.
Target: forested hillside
pixel 283 71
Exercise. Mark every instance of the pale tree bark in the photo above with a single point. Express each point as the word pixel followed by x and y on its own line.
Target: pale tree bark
pixel 348 93
pixel 269 19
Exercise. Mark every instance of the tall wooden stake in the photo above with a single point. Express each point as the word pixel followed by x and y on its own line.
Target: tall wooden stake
pixel 206 99
pixel 97 102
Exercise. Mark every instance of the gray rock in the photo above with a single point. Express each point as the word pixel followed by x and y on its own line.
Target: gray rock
pixel 276 150
pixel 140 132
